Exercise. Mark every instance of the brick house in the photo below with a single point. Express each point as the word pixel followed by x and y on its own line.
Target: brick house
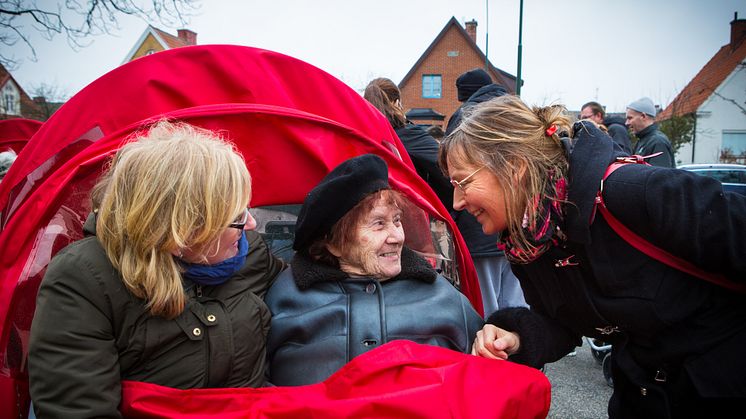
pixel 429 88
pixel 154 40
pixel 716 99
pixel 15 102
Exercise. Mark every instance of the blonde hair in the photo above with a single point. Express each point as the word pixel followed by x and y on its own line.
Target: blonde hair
pixel 510 138
pixel 174 187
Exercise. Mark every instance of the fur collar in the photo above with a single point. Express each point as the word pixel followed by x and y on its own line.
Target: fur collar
pixel 307 272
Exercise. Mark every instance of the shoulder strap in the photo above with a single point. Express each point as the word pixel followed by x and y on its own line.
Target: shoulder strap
pixel 650 249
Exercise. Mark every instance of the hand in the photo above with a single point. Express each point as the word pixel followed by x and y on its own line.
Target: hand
pixel 495 343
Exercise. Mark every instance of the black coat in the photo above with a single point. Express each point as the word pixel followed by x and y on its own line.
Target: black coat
pixel 661 321
pixel 423 150
pixel 652 140
pixel 484 94
pixel 618 132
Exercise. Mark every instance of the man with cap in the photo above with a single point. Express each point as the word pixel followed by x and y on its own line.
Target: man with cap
pixel 641 118
pixel 353 286
pixel 500 288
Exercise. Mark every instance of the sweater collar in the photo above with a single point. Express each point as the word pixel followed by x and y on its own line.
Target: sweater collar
pixel 307 272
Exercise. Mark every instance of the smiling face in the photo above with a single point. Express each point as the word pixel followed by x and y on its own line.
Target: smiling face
pixel 637 121
pixel 224 247
pixel 481 195
pixel 376 251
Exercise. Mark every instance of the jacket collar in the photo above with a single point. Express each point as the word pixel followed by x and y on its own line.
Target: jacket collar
pixel 307 272
pixel 592 153
pixel 648 130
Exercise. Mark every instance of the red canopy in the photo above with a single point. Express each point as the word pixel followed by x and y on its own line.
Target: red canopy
pixel 14 133
pixel 291 121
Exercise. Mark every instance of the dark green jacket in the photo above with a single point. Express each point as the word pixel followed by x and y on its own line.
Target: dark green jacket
pixel 89 333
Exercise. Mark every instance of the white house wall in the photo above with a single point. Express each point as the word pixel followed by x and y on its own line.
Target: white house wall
pixel 715 116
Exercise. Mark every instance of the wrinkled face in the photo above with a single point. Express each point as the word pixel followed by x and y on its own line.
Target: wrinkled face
pixel 587 113
pixel 481 195
pixel 225 247
pixel 636 120
pixel 377 250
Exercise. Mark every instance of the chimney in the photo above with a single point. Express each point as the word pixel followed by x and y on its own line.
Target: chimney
pixel 189 37
pixel 471 29
pixel 737 31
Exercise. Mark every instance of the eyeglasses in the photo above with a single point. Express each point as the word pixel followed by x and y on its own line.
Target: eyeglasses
pixel 460 183
pixel 240 221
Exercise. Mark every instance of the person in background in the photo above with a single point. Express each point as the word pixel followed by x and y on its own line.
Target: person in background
pixel 641 118
pixel 6 160
pixel 167 287
pixel 614 124
pixel 422 148
pixel 353 286
pixel 677 339
pixel 500 288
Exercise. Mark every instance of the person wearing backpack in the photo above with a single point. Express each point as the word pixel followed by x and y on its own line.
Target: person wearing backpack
pixel 536 178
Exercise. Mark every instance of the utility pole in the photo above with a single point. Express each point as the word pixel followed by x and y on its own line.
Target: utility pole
pixel 520 50
pixel 487 36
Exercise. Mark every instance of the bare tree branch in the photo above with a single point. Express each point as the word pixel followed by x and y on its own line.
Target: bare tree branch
pixel 79 21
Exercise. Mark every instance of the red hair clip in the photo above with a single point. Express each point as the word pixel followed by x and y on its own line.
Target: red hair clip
pixel 551 130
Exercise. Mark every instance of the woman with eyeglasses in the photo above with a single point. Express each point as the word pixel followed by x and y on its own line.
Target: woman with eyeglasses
pixel 167 288
pixel 353 285
pixel 678 340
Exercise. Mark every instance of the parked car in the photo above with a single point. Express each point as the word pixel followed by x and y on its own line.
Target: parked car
pixel 732 176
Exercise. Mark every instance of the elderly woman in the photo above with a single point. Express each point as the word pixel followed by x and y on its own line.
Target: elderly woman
pixel 166 289
pixel 678 339
pixel 353 286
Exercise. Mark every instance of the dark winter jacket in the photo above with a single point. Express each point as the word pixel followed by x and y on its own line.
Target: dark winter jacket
pixel 618 132
pixel 478 243
pixel 322 318
pixel 663 323
pixel 423 150
pixel 484 94
pixel 652 140
pixel 89 333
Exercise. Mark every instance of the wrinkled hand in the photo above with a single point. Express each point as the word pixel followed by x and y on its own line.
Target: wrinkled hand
pixel 495 343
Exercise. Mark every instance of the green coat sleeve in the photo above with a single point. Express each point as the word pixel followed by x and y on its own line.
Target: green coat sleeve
pixel 73 359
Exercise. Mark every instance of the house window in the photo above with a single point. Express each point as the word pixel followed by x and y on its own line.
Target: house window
pixel 431 86
pixel 734 144
pixel 11 103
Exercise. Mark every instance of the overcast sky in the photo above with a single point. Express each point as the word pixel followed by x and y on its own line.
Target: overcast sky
pixel 573 50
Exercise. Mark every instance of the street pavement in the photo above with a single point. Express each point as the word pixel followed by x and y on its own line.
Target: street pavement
pixel 579 390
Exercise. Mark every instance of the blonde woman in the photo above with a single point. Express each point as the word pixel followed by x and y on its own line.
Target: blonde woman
pixel 677 339
pixel 166 289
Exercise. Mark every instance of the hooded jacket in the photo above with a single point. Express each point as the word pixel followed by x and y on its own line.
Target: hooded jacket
pixel 618 132
pixel 89 333
pixel 423 150
pixel 322 318
pixel 663 323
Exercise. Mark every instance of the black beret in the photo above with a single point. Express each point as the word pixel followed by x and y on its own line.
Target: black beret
pixel 336 194
pixel 471 81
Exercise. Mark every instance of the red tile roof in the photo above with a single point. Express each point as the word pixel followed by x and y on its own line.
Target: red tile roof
pixel 170 40
pixel 706 81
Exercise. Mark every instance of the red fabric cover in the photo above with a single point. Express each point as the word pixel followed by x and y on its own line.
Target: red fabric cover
pixel 401 379
pixel 291 121
pixel 14 133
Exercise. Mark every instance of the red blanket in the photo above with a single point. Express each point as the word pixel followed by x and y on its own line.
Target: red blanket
pixel 401 379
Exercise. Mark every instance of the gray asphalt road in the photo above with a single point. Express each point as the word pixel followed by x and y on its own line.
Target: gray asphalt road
pixel 579 389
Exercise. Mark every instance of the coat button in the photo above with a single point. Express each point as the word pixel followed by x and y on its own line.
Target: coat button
pixel 369 342
pixel 370 289
pixel 197 331
pixel 643 391
pixel 210 318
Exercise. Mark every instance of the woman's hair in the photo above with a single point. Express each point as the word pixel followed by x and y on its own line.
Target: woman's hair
pixel 344 232
pixel 174 187
pixel 386 97
pixel 510 138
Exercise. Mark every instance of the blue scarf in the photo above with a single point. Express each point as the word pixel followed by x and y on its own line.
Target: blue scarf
pixel 220 272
